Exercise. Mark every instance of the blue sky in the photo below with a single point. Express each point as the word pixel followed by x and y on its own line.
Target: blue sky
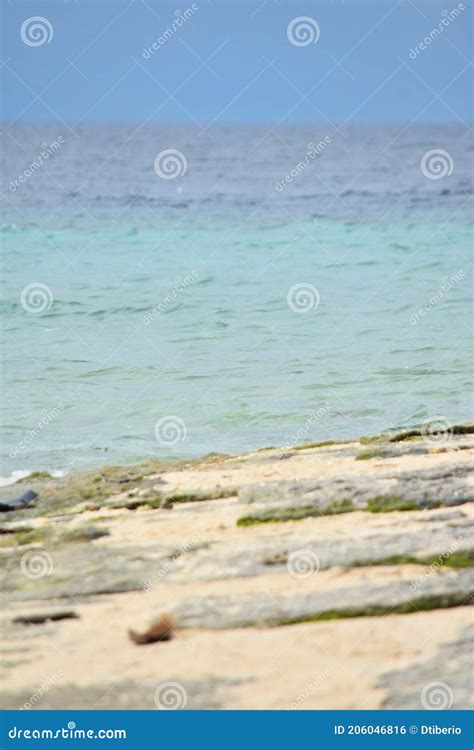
pixel 233 62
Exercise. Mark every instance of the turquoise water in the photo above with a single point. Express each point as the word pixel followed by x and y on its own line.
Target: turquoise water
pixel 151 317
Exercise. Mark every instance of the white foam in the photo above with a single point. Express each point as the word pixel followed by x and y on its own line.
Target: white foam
pixel 15 476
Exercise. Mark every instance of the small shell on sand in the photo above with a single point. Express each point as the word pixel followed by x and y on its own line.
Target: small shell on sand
pixel 160 629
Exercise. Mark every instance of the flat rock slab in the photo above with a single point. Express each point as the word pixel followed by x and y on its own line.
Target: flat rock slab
pixel 445 681
pixel 171 693
pixel 79 570
pixel 446 590
pixel 260 630
pixel 430 544
pixel 451 485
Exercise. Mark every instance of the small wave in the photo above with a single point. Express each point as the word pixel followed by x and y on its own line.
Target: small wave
pixel 103 371
pixel 17 476
pixel 14 477
pixel 398 246
pixel 105 312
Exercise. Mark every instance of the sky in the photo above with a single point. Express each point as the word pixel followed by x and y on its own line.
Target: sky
pixel 236 62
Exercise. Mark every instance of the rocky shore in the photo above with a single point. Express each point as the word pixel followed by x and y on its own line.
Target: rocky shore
pixel 334 575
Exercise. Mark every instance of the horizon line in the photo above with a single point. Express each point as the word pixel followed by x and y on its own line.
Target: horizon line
pixel 267 123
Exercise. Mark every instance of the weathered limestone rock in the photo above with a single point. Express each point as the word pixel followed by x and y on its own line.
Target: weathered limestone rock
pixel 288 500
pixel 455 589
pixel 211 693
pixel 344 595
pixel 431 544
pixel 444 682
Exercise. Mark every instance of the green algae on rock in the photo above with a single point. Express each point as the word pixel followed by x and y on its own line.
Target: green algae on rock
pixel 297 513
pixel 322 444
pixel 388 504
pixel 178 553
pixel 457 559
pixel 367 599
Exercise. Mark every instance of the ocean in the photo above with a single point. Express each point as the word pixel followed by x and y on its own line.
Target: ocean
pixel 258 286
